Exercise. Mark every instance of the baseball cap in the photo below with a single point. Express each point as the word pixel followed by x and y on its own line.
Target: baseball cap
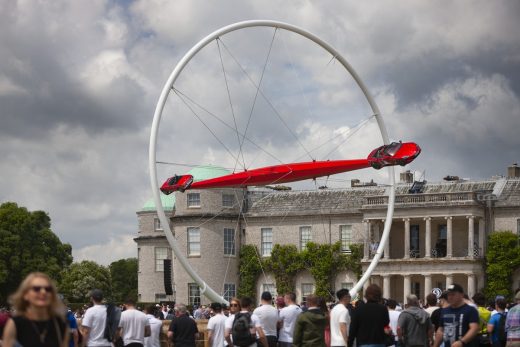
pixel 96 294
pixel 498 297
pixel 455 288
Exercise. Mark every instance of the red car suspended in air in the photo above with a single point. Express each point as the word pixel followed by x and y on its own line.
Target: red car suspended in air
pixel 396 153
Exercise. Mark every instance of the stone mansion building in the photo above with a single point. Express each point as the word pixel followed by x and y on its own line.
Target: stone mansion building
pixel 438 234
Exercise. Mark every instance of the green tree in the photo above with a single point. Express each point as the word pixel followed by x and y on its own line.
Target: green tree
pixel 502 259
pixel 81 278
pixel 284 264
pixel 28 244
pixel 124 279
pixel 250 266
pixel 323 262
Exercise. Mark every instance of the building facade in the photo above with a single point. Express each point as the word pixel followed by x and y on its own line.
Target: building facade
pixel 438 234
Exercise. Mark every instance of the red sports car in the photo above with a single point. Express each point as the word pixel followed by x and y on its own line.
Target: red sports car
pixel 396 153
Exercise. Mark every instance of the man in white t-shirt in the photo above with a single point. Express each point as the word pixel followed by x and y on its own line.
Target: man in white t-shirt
pixel 287 320
pixel 216 326
pixel 133 326
pixel 340 320
pixel 268 316
pixel 155 328
pixel 94 322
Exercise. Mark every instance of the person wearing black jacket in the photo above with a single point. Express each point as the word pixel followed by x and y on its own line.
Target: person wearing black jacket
pixel 369 320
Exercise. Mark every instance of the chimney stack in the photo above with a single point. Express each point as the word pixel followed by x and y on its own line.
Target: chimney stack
pixel 513 170
pixel 406 177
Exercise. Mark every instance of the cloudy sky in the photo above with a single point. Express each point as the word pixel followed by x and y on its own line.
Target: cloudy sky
pixel 79 81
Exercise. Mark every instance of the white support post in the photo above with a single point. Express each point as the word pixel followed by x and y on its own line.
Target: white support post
pixel 449 248
pixel 406 238
pixel 428 238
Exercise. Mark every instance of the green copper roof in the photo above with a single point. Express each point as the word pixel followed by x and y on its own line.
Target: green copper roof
pixel 207 171
pixel 199 173
pixel 168 202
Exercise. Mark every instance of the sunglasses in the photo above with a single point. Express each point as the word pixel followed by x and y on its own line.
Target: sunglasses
pixel 38 289
pixel 233 305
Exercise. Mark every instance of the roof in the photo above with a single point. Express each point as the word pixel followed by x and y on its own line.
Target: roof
pixel 205 172
pixel 199 173
pixel 168 202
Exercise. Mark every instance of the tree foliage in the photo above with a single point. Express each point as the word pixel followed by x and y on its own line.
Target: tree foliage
pixel 502 258
pixel 28 244
pixel 285 262
pixel 124 279
pixel 250 266
pixel 81 278
pixel 323 261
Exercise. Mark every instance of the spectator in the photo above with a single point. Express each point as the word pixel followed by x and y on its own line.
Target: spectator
pixel 368 323
pixel 459 323
pixel 431 300
pixel 133 325
pixel 155 327
pixel 234 308
pixel 484 315
pixel 216 326
pixel 497 323
pixel 183 330
pixel 288 316
pixel 394 317
pixel 39 315
pixel 255 328
pixel 513 324
pixel 414 327
pixel 309 329
pixel 340 319
pixel 94 322
pixel 268 316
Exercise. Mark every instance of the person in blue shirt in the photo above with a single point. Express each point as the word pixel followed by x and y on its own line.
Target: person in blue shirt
pixel 73 326
pixel 493 324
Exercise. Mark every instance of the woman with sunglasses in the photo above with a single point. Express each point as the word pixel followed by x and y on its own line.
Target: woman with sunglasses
pixel 39 318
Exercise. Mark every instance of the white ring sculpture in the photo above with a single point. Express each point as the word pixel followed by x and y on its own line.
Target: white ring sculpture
pixel 205 289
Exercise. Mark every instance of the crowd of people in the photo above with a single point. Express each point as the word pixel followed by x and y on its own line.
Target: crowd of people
pixel 40 318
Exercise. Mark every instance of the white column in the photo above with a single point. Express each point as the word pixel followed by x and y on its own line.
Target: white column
pixel 449 280
pixel 366 248
pixel 428 238
pixel 471 285
pixel 427 285
pixel 449 226
pixel 406 238
pixel 386 286
pixel 471 235
pixel 481 236
pixel 407 286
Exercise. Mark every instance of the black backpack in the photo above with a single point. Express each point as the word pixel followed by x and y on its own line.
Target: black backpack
pixel 501 329
pixel 112 322
pixel 241 330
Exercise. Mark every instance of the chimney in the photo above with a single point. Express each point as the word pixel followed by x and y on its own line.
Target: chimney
pixel 513 170
pixel 406 177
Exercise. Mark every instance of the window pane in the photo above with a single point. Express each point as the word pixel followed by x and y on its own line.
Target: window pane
pixel 229 241
pixel 157 224
pixel 307 289
pixel 267 241
pixel 193 199
pixel 305 237
pixel 347 285
pixel 414 237
pixel 229 291
pixel 345 236
pixel 228 200
pixel 193 294
pixel 161 253
pixel 193 241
